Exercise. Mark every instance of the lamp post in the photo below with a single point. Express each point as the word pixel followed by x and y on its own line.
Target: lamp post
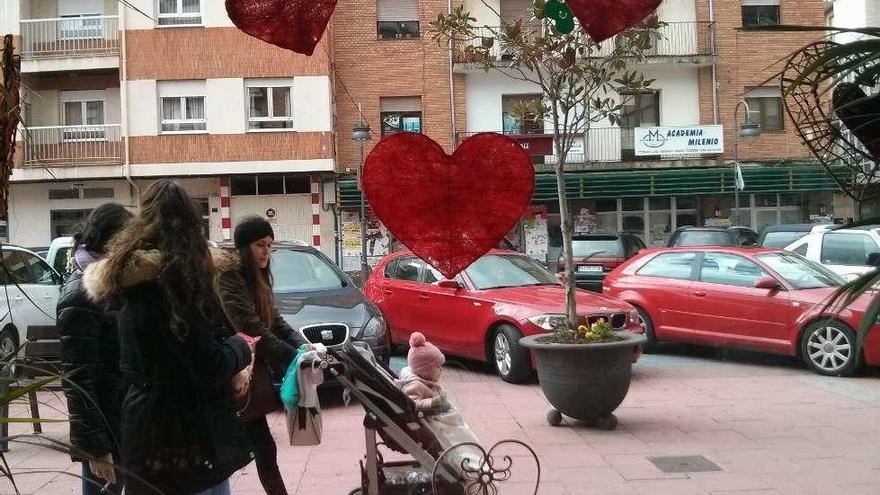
pixel 745 129
pixel 361 134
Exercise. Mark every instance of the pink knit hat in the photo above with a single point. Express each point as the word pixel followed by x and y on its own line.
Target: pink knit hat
pixel 424 358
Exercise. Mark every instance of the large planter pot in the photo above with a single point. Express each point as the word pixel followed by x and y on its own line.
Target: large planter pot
pixel 585 381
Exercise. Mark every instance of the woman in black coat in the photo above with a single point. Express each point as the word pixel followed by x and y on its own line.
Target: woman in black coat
pixel 246 291
pixel 90 358
pixel 179 432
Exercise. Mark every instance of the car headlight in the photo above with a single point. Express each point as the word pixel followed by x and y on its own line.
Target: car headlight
pixel 375 327
pixel 549 322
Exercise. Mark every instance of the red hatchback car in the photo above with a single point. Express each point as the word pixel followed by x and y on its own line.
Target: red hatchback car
pixel 484 312
pixel 756 298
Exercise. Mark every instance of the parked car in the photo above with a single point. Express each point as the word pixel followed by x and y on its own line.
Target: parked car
pixel 847 252
pixel 486 309
pixel 754 298
pixel 744 236
pixel 781 235
pixel 597 254
pixel 703 236
pixel 29 298
pixel 317 299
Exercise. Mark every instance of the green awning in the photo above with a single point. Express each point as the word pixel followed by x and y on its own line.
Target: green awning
pixel 665 182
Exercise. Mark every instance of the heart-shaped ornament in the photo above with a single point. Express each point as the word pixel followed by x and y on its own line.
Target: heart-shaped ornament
pixel 296 25
pixel 449 210
pixel 602 19
pixel 859 112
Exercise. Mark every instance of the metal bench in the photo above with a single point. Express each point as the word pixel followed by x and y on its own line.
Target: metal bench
pixel 40 359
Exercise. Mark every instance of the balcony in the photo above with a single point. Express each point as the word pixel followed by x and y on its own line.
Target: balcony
pixel 69 43
pixel 79 145
pixel 685 42
pixel 602 145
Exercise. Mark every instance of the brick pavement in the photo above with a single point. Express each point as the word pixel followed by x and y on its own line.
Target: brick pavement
pixel 772 428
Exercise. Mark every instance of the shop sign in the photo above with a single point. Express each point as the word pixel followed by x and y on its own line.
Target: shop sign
pixel 687 140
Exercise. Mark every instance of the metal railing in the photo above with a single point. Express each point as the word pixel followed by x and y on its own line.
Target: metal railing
pixel 74 145
pixel 85 36
pixel 673 39
pixel 600 145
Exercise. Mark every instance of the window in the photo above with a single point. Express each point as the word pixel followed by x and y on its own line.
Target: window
pixel 521 114
pixel 269 108
pixel 243 186
pixel 391 269
pixel 297 184
pixel 407 269
pixel 498 271
pixel 639 110
pixel 183 114
pixel 670 265
pixel 302 271
pixel 270 184
pixel 25 268
pixel 757 13
pixel 66 193
pixel 98 193
pixel 83 120
pixel 80 26
pixel 729 269
pixel 401 114
pixel 180 13
pixel 62 222
pixel 802 249
pixel 840 248
pixel 397 19
pixel 765 108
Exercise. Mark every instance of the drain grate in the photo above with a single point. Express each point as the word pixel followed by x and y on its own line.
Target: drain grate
pixel 684 464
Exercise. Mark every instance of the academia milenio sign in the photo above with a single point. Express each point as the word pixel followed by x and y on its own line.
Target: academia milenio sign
pixel 680 140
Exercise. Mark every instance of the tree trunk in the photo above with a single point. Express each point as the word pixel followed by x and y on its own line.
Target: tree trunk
pixel 567 230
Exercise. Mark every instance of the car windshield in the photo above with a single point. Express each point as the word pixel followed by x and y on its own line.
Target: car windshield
pixel 495 271
pixel 302 271
pixel 598 246
pixel 781 239
pixel 705 238
pixel 799 272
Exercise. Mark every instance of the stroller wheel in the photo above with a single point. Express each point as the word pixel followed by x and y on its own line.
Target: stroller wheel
pixel 554 417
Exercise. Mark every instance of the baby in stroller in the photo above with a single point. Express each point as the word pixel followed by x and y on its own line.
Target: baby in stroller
pixel 419 379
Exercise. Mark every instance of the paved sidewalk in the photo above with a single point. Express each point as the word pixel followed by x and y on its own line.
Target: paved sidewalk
pixel 770 426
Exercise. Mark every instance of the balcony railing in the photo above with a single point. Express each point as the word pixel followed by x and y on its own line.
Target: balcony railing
pixel 86 36
pixel 73 145
pixel 601 145
pixel 674 39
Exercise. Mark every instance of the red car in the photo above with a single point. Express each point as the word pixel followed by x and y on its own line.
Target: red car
pixel 755 298
pixel 484 312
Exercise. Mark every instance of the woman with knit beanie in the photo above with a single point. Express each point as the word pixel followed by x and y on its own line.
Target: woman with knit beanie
pixel 246 292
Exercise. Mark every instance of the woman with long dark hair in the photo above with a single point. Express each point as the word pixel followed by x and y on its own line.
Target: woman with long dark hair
pixel 90 357
pixel 246 291
pixel 179 432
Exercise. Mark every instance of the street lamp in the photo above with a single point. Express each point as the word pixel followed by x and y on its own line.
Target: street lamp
pixel 745 129
pixel 361 134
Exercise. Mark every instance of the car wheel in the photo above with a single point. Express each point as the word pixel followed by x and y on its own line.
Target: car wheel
pixel 829 348
pixel 8 347
pixel 511 359
pixel 651 346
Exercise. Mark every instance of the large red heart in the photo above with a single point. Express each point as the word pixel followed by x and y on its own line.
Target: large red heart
pixel 296 25
pixel 449 210
pixel 602 19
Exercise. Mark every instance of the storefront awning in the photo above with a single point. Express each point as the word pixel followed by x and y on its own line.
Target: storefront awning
pixel 665 182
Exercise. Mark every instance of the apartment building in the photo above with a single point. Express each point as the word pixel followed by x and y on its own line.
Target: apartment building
pixel 117 96
pixel 704 62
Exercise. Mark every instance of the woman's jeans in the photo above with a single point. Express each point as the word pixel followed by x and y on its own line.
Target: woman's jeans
pixel 265 456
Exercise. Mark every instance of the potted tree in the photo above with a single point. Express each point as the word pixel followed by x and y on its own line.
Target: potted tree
pixel 585 373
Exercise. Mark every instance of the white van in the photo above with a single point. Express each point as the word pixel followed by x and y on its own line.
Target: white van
pixel 59 254
pixel 847 252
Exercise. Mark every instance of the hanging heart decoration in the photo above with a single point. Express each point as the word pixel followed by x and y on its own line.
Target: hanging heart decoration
pixel 448 209
pixel 602 19
pixel 296 25
pixel 859 112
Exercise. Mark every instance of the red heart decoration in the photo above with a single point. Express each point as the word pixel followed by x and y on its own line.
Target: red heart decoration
pixel 296 25
pixel 449 210
pixel 602 19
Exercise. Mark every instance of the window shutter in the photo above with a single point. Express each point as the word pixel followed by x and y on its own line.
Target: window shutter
pixel 401 104
pixel 514 10
pixel 756 3
pixel 764 92
pixel 398 10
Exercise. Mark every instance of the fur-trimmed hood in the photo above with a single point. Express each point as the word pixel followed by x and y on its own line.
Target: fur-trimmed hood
pixel 225 261
pixel 143 266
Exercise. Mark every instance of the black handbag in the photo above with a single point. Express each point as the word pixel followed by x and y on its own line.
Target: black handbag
pixel 260 398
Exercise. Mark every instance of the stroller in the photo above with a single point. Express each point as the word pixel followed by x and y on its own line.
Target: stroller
pixel 447 458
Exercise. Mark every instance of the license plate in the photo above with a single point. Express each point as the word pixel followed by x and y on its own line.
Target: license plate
pixel 589 268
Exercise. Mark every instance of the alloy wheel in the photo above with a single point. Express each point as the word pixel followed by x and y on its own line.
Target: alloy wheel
pixel 829 348
pixel 502 354
pixel 7 354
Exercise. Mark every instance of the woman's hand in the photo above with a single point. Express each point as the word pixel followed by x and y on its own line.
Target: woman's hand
pixel 102 468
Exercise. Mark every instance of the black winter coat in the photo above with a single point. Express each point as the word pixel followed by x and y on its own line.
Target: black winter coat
pixel 179 431
pixel 90 359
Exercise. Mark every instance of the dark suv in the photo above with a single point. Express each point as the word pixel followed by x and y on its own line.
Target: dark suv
pixel 597 254
pixel 316 298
